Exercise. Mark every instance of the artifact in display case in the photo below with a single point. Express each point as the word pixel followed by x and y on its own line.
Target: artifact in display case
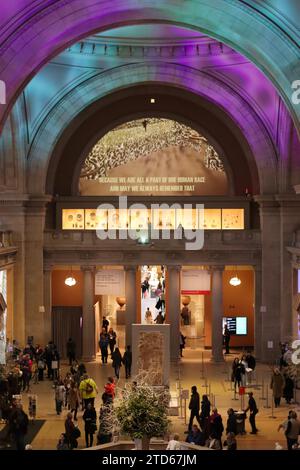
pixel 233 219
pixel 73 219
pixel 212 219
pixel 187 218
pixel 163 219
pixel 95 219
pixel 139 219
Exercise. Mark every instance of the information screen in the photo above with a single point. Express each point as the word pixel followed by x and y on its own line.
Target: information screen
pixel 236 325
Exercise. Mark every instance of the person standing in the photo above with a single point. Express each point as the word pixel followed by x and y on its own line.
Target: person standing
pixel 216 425
pixel 105 324
pixel 90 427
pixel 18 426
pixel 127 361
pixel 277 385
pixel 159 320
pixel 88 390
pixel 181 343
pixel 288 391
pixel 60 393
pixel 253 412
pixel 71 350
pixel 204 415
pixel 103 344
pixel 226 338
pixel 70 429
pixel 231 426
pixel 194 406
pixel 117 362
pixel 112 340
pixel 74 399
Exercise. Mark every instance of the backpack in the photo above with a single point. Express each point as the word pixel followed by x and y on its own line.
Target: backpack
pixel 76 433
pixel 89 388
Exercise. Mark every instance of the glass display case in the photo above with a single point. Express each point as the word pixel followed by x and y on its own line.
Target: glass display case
pixel 73 219
pixel 233 219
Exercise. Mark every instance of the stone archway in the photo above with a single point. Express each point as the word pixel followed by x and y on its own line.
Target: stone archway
pixel 261 155
pixel 57 24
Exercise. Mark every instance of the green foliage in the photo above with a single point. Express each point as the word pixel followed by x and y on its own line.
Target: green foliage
pixel 143 411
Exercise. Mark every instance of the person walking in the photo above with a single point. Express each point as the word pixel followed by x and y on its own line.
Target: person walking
pixel 277 385
pixel 159 320
pixel 90 426
pixel 236 375
pixel 70 432
pixel 194 406
pixel 253 412
pixel 117 362
pixel 88 390
pixel 71 350
pixel 291 429
pixel 288 391
pixel 216 425
pixel 127 361
pixel 105 324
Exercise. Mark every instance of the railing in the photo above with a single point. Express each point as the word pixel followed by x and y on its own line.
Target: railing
pixel 154 445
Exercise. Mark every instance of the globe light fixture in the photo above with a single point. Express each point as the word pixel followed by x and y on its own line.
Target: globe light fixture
pixel 235 281
pixel 70 281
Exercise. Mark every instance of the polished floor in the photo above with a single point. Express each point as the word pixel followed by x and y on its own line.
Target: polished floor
pixel 209 378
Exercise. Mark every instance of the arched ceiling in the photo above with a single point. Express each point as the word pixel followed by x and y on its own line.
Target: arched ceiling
pixel 32 32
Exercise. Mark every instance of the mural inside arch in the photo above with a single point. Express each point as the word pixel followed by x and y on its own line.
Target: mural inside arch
pixel 153 156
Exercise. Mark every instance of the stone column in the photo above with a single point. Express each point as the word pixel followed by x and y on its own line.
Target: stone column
pixel 217 314
pixel 173 305
pixel 88 315
pixel 131 300
pixel 47 304
pixel 271 274
pixel 258 313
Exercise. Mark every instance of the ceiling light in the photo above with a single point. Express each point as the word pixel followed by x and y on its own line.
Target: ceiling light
pixel 235 281
pixel 70 281
pixel 152 100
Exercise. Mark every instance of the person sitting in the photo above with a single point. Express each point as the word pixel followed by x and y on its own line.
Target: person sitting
pixel 174 443
pixel 213 442
pixel 195 436
pixel 62 442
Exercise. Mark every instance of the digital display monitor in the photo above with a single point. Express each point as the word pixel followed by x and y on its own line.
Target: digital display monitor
pixel 236 325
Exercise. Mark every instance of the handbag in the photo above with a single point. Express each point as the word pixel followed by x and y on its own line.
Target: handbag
pixel 41 364
pixel 54 365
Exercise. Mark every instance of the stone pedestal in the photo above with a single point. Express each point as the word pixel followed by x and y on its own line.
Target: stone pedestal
pixel 151 352
pixel 217 314
pixel 88 315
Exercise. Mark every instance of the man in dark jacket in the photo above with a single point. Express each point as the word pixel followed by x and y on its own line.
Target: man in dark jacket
pixel 127 361
pixel 253 412
pixel 18 422
pixel 231 422
pixel 194 406
pixel 71 351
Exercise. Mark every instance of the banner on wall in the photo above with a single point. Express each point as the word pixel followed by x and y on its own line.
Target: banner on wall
pixel 110 282
pixel 195 282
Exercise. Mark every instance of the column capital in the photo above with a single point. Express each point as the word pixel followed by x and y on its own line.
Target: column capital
pixel 175 267
pixel 216 267
pixel 130 267
pixel 87 268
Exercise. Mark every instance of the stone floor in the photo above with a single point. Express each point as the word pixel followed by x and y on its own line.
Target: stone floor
pixel 211 378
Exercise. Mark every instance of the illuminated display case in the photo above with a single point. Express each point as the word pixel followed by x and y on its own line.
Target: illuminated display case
pixel 233 219
pixel 73 219
pixel 161 219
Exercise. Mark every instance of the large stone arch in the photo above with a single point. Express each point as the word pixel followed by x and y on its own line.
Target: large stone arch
pixel 238 111
pixel 38 32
